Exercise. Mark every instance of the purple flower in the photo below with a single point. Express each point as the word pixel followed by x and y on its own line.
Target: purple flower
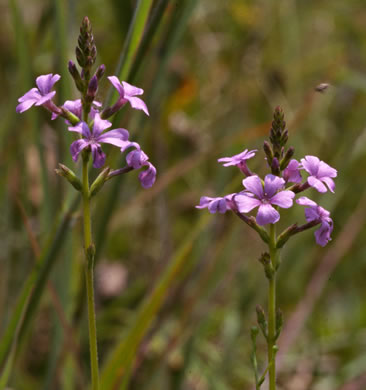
pixel 75 107
pixel 39 96
pixel 320 173
pixel 314 212
pixel 117 137
pixel 148 176
pixel 292 172
pixel 136 159
pixel 256 196
pixel 239 160
pixel 128 93
pixel 216 205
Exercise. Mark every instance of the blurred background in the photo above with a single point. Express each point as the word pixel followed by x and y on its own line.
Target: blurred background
pixel 176 286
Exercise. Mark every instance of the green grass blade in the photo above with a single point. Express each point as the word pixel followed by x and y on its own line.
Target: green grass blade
pixel 34 285
pixel 134 37
pixel 123 354
pixel 26 81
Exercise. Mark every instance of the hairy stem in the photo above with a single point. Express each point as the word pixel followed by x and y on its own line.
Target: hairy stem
pixel 89 268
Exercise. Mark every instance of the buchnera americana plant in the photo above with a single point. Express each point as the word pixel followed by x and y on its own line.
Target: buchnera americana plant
pixel 88 120
pixel 267 196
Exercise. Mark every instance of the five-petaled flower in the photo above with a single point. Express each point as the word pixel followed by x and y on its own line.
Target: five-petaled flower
pixel 128 93
pixel 320 173
pixel 40 96
pixel 314 212
pixel 264 198
pixel 216 205
pixel 93 139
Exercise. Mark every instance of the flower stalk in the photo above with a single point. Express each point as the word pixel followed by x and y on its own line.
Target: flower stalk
pixel 89 250
pixel 271 340
pixel 270 196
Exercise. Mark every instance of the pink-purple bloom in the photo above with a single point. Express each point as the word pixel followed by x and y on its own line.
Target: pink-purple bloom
pixel 264 197
pixel 93 139
pixel 137 159
pixel 216 205
pixel 128 93
pixel 314 212
pixel 148 176
pixel 39 96
pixel 320 173
pixel 292 172
pixel 239 160
pixel 76 108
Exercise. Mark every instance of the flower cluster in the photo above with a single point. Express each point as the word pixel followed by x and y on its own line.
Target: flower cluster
pixel 86 117
pixel 270 194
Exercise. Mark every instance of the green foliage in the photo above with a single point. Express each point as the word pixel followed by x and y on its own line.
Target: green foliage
pixel 176 288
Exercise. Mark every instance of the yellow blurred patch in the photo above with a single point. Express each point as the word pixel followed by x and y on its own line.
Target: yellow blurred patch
pixel 244 14
pixel 183 96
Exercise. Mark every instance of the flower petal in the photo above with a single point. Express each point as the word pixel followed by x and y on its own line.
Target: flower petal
pixel 24 106
pixel 81 128
pixel 46 98
pixel 329 182
pixel 311 164
pixel 137 103
pixel 254 185
pixel 117 84
pixel 283 199
pixel 238 158
pixel 312 214
pixel 98 155
pixel 136 158
pixel 32 94
pixel 317 184
pixel 218 205
pixel 76 147
pixel 267 214
pixel 131 90
pixel 326 170
pixel 100 125
pixel 46 82
pixel 272 184
pixel 246 203
pixel 322 235
pixel 116 137
pixel 147 177
pixel 74 106
pixel 305 201
pixel 292 173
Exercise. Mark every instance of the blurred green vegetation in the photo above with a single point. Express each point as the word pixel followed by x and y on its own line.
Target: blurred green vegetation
pixel 179 284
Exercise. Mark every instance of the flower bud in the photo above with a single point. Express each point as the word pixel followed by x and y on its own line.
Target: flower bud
pixel 76 76
pixel 287 157
pixel 92 89
pixel 275 166
pixel 79 57
pixel 70 176
pixel 268 151
pixel 279 323
pixel 99 182
pixel 261 319
pixel 100 72
pixel 265 260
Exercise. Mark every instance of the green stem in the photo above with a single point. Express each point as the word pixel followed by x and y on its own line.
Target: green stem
pixel 89 267
pixel 272 311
